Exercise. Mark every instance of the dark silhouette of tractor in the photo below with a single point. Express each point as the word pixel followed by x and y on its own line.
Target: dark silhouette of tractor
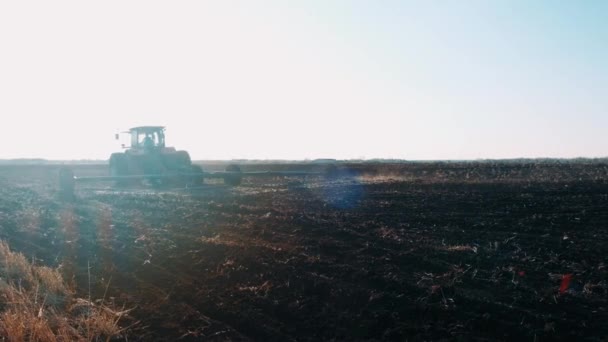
pixel 149 159
pixel 148 155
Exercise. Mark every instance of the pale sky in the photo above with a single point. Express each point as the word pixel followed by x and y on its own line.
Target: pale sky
pixel 307 79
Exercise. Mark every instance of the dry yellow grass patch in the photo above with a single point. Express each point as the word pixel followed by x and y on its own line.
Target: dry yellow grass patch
pixel 36 304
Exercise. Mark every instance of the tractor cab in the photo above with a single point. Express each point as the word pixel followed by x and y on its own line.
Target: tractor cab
pixel 147 138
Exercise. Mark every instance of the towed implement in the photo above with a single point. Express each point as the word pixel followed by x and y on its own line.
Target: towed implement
pixel 147 160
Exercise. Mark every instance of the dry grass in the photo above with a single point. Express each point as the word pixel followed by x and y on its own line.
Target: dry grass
pixel 36 304
pixel 15 265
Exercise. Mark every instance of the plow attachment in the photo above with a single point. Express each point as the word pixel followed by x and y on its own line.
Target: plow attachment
pixel 232 176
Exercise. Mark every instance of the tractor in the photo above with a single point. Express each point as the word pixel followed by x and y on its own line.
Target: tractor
pixel 148 155
pixel 148 159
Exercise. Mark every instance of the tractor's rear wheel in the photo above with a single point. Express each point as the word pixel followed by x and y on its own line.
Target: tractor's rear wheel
pixel 178 161
pixel 235 177
pixel 197 177
pixel 119 166
pixel 182 161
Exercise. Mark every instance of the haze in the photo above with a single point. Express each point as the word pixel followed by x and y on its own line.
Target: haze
pixel 306 79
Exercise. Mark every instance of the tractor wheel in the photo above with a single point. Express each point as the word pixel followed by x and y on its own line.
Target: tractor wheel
pixel 182 161
pixel 178 161
pixel 119 166
pixel 235 177
pixel 197 178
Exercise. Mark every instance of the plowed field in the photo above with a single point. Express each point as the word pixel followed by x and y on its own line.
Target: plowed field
pixel 421 251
